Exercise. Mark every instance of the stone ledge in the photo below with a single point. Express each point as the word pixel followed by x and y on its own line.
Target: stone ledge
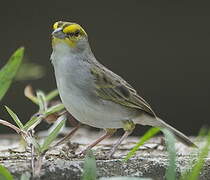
pixel 61 163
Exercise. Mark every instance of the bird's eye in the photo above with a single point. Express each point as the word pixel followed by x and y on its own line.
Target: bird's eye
pixel 76 33
pixel 70 34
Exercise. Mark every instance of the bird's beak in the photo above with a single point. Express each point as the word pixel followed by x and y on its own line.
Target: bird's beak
pixel 58 33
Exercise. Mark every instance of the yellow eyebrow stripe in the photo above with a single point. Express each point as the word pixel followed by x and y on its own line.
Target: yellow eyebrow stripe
pixel 71 28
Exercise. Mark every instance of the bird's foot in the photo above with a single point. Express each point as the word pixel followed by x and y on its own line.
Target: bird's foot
pixel 82 153
pixel 110 154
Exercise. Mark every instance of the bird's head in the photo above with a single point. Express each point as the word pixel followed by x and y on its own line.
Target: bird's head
pixel 70 33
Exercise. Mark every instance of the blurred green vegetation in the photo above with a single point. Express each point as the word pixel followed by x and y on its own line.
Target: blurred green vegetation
pixel 8 72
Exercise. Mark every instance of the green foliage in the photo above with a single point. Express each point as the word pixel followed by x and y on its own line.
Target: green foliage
pixel 29 71
pixel 25 176
pixel 29 94
pixel 170 143
pixel 52 95
pixel 5 174
pixel 54 109
pixel 41 101
pixel 8 72
pixel 14 117
pixel 49 139
pixel 31 124
pixel 197 168
pixel 44 111
pixel 89 172
pixel 124 178
pixel 148 135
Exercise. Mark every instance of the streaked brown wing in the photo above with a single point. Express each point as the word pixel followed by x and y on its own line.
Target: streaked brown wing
pixel 110 86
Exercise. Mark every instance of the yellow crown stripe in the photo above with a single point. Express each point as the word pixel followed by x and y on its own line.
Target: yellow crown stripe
pixel 55 25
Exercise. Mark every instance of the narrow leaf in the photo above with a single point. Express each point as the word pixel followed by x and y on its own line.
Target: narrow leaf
pixel 201 135
pixel 194 174
pixel 54 109
pixel 89 172
pixel 14 117
pixel 5 174
pixel 123 178
pixel 42 101
pixel 49 139
pixel 32 123
pixel 148 135
pixel 170 143
pixel 25 176
pixel 34 142
pixel 8 72
pixel 28 92
pixel 52 95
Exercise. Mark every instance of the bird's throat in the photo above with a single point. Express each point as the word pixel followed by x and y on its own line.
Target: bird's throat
pixel 67 41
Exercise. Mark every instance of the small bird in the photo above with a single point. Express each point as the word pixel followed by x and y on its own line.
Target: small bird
pixel 93 94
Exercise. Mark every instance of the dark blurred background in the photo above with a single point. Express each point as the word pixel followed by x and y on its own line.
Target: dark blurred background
pixel 161 48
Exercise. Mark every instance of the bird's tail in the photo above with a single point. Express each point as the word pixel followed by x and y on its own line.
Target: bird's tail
pixel 179 135
pixel 157 122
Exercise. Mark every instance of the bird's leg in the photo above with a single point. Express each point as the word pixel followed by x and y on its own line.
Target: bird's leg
pixel 73 122
pixel 128 128
pixel 68 136
pixel 109 133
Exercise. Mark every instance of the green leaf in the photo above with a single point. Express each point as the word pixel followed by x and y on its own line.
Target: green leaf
pixel 123 178
pixel 89 172
pixel 51 95
pixel 25 176
pixel 35 143
pixel 15 118
pixel 54 109
pixel 42 101
pixel 28 92
pixel 29 71
pixel 5 174
pixel 32 123
pixel 170 143
pixel 148 135
pixel 34 99
pixel 197 168
pixel 203 132
pixel 51 137
pixel 8 72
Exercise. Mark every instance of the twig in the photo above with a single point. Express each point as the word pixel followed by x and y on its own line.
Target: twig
pixel 32 156
pixel 18 130
pixel 38 165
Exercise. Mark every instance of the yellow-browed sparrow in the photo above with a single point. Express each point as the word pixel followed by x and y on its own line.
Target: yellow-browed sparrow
pixel 93 94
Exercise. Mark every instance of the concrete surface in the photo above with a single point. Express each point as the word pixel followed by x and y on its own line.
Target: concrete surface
pixel 62 163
